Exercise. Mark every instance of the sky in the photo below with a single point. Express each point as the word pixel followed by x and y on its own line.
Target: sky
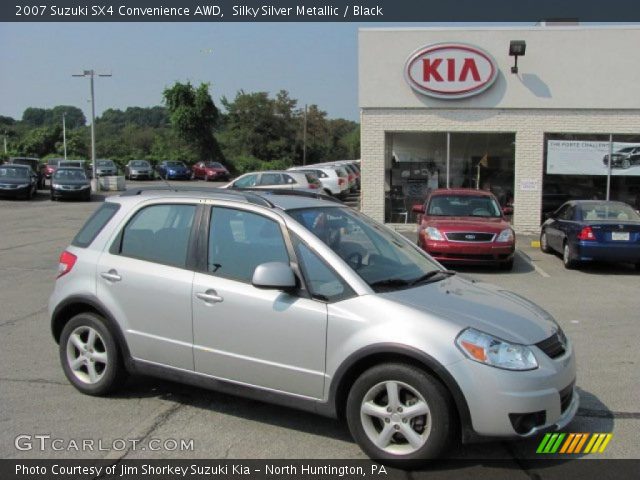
pixel 316 62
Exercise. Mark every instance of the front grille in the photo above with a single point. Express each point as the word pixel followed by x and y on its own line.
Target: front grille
pixel 553 346
pixel 469 236
pixel 566 395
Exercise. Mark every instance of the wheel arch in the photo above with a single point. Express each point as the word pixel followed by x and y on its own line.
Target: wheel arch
pixel 379 354
pixel 75 305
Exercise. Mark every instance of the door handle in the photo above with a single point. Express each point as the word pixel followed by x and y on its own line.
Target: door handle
pixel 111 275
pixel 210 296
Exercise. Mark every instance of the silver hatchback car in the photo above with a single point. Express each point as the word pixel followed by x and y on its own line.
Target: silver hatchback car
pixel 305 302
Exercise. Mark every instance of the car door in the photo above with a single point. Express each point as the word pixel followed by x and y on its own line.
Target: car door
pixel 565 224
pixel 552 228
pixel 144 281
pixel 265 338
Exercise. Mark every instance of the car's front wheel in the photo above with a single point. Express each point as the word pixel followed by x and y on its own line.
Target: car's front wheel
pixel 400 414
pixel 90 356
pixel 544 242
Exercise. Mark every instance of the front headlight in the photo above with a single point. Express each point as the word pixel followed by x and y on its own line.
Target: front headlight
pixel 484 348
pixel 433 233
pixel 506 235
pixel 24 185
pixel 55 185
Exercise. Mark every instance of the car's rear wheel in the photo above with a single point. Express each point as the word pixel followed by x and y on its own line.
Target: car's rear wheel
pixel 568 257
pixel 400 415
pixel 544 242
pixel 90 356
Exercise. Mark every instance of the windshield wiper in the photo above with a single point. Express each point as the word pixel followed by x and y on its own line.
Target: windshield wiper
pixel 390 283
pixel 431 277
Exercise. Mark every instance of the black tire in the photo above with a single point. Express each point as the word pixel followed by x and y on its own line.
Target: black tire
pixel 327 192
pixel 507 266
pixel 544 243
pixel 442 418
pixel 567 257
pixel 638 267
pixel 87 197
pixel 113 374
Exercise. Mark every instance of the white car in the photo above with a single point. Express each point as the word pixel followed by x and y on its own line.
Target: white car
pixel 276 180
pixel 333 179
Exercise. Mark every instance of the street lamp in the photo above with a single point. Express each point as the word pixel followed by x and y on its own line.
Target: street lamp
pixel 91 74
pixel 64 134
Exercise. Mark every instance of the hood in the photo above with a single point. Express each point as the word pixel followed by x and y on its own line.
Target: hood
pixel 71 182
pixel 466 224
pixel 482 306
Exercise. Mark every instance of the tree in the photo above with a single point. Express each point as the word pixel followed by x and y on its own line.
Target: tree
pixel 40 117
pixel 41 141
pixel 194 118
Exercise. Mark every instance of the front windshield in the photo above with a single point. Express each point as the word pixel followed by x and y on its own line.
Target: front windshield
pixel 13 172
pixel 214 165
pixel 53 161
pixel 463 206
pixel 68 174
pixel 104 163
pixel 139 163
pixel 383 258
pixel 175 164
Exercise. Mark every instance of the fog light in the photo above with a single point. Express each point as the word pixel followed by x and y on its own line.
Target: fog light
pixel 523 423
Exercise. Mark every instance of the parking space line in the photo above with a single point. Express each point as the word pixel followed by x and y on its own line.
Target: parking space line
pixel 527 259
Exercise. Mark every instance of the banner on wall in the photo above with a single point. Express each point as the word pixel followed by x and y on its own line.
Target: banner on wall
pixel 583 157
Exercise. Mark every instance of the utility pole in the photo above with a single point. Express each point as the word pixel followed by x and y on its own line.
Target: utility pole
pixel 64 134
pixel 5 141
pixel 304 137
pixel 91 74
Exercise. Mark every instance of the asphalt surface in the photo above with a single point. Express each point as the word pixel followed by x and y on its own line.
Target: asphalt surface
pixel 597 307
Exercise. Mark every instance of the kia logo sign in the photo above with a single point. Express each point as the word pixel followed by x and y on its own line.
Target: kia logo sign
pixel 450 70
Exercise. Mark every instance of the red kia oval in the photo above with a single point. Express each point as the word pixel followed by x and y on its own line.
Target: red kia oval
pixel 450 70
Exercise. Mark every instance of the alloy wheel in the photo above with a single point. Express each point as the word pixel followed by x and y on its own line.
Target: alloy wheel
pixel 87 354
pixel 395 417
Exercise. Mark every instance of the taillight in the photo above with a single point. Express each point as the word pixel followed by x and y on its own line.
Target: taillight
pixel 314 185
pixel 341 181
pixel 586 234
pixel 66 263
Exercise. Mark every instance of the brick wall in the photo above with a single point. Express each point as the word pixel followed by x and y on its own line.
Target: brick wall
pixel 529 127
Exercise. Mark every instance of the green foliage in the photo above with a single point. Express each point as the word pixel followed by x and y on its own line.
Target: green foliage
pixel 40 117
pixel 194 118
pixel 257 131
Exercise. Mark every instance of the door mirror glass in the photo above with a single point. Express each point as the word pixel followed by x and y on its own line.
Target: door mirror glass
pixel 274 275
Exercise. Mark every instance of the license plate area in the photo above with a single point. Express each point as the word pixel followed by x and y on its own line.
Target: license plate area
pixel 620 236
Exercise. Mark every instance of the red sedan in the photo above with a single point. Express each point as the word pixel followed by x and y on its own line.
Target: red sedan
pixel 465 226
pixel 210 171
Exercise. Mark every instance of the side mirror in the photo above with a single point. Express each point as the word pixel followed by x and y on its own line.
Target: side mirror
pixel 549 215
pixel 507 210
pixel 417 208
pixel 274 276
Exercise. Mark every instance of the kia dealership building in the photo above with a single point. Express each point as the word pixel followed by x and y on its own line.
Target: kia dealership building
pixel 441 107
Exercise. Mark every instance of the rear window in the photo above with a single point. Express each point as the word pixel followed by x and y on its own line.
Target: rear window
pixel 95 224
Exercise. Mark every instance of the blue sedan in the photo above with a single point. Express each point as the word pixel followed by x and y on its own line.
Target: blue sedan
pixel 173 170
pixel 593 230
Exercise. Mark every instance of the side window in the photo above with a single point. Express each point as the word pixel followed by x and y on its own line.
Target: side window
pixel 289 180
pixel 567 213
pixel 245 182
pixel 323 283
pixel 239 241
pixel 95 224
pixel 271 179
pixel 160 234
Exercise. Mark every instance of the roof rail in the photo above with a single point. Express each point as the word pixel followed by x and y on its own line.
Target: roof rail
pixel 249 196
pixel 297 193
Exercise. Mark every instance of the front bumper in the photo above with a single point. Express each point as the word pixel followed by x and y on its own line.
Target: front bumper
pixel 470 253
pixel 494 396
pixel 11 191
pixel 178 176
pixel 106 173
pixel 66 193
pixel 139 175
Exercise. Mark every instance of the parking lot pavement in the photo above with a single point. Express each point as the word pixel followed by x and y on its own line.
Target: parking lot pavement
pixel 597 308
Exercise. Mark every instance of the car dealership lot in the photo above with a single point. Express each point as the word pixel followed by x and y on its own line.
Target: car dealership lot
pixel 596 307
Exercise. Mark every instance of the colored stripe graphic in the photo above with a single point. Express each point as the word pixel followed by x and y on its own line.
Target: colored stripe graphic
pixel 573 443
